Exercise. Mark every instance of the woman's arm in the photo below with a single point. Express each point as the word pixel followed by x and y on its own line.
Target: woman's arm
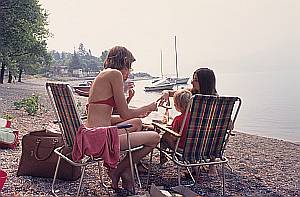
pixel 165 97
pixel 131 93
pixel 125 112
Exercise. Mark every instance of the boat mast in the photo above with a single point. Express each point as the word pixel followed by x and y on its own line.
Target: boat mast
pixel 176 60
pixel 161 64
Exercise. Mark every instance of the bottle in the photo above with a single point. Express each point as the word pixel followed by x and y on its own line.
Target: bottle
pixel 166 117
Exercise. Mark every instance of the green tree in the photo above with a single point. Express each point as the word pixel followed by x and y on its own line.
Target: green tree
pixel 23 33
pixel 75 62
pixel 103 57
pixel 81 50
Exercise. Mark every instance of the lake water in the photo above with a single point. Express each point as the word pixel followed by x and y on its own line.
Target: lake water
pixel 269 101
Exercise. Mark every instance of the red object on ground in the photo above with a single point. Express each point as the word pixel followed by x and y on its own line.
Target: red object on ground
pixel 3 176
pixel 8 124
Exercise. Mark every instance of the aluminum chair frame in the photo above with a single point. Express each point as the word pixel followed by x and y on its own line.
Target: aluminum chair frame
pixel 178 156
pixel 66 89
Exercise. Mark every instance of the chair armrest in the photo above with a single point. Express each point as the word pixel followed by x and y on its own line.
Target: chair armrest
pixel 164 128
pixel 83 117
pixel 124 126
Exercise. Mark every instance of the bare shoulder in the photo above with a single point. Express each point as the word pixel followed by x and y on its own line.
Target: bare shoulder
pixel 115 72
pixel 114 75
pixel 108 74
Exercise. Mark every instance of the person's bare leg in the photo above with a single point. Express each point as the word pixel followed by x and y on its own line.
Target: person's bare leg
pixel 136 125
pixel 148 139
pixel 147 127
pixel 163 146
pixel 212 169
pixel 115 178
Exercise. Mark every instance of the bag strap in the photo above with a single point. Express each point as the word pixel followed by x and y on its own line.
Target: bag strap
pixel 38 142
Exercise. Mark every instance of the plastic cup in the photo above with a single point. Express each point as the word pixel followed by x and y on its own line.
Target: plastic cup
pixel 3 177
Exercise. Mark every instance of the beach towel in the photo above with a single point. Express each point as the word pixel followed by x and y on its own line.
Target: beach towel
pixel 97 142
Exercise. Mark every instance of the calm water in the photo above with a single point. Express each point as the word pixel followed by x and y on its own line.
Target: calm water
pixel 269 102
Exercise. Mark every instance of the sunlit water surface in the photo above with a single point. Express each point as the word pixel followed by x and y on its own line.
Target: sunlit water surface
pixel 270 102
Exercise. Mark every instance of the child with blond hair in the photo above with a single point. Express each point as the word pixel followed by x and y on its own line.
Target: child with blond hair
pixel 181 101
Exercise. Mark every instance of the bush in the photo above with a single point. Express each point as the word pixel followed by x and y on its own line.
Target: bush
pixel 8 117
pixel 31 104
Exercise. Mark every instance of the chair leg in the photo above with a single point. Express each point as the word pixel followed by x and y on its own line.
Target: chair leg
pixel 223 180
pixel 81 179
pixel 149 169
pixel 229 167
pixel 179 175
pixel 100 168
pixel 55 175
pixel 192 177
pixel 131 162
pixel 137 175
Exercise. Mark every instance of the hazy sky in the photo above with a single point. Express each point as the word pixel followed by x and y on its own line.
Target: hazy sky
pixel 227 35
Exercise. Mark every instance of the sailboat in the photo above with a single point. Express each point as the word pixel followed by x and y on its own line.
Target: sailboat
pixel 181 80
pixel 160 84
pixel 177 80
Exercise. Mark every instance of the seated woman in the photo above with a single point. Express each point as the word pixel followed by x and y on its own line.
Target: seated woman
pixel 106 93
pixel 136 123
pixel 204 82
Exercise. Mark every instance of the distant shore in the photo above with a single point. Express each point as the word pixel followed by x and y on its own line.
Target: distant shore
pixel 261 166
pixel 92 78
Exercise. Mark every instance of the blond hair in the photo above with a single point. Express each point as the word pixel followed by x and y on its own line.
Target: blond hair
pixel 182 98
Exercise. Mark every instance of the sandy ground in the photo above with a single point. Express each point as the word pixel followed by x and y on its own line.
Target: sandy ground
pixel 260 166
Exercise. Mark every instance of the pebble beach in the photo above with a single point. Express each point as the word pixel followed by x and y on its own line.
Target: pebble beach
pixel 259 166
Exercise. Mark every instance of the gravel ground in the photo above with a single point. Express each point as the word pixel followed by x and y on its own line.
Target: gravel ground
pixel 260 166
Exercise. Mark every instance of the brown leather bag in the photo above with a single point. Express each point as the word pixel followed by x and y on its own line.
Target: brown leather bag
pixel 39 160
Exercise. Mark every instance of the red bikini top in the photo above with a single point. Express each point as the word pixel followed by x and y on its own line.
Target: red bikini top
pixel 110 101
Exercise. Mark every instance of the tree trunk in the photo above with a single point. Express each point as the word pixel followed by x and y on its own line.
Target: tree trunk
pixel 2 73
pixel 9 77
pixel 20 75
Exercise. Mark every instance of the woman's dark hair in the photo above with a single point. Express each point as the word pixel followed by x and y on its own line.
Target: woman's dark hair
pixel 207 81
pixel 118 58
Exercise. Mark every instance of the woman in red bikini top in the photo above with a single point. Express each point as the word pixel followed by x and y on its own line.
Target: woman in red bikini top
pixel 106 93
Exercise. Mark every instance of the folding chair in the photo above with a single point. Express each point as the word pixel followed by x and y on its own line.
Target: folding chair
pixel 63 103
pixel 210 125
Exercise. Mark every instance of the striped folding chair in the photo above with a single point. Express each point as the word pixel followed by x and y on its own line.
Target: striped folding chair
pixel 63 103
pixel 210 125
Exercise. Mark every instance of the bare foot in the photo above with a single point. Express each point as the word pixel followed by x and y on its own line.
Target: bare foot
pixel 127 181
pixel 115 177
pixel 212 171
